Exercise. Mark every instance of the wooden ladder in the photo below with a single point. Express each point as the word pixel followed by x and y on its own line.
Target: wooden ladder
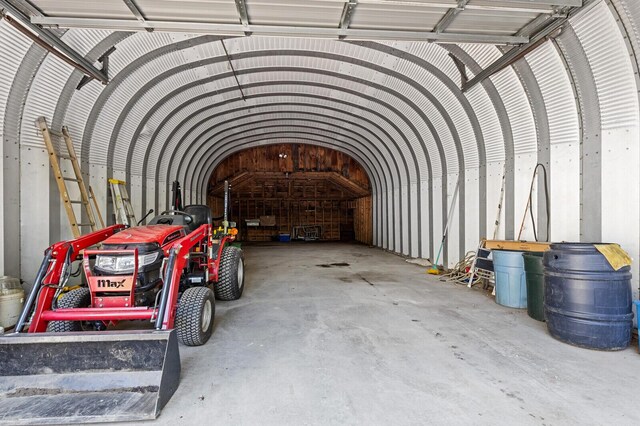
pixel 122 203
pixel 69 154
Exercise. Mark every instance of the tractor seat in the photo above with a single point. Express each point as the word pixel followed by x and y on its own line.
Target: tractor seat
pixel 168 219
pixel 201 215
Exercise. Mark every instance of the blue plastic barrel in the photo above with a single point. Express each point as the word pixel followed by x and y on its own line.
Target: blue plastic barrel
pixel 511 283
pixel 586 302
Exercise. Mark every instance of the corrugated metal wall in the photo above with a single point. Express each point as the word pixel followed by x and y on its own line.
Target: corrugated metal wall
pixel 172 110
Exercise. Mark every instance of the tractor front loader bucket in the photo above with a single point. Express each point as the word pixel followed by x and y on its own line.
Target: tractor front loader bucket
pixel 86 377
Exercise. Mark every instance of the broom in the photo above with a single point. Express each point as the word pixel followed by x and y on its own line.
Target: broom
pixel 434 270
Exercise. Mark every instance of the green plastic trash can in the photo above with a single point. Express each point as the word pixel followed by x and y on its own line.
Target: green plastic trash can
pixel 534 271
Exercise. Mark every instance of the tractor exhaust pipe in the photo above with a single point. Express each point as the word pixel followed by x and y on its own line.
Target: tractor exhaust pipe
pixel 176 192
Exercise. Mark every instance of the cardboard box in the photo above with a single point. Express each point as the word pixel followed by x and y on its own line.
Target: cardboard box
pixel 267 220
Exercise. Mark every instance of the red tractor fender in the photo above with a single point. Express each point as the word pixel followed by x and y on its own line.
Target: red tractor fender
pixel 214 263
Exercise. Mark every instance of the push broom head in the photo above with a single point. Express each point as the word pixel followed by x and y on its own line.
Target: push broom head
pixel 434 270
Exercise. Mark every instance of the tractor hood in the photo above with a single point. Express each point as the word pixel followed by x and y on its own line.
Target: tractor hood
pixel 160 234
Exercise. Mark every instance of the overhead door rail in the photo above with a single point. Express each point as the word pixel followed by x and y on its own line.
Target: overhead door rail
pixel 49 41
pixel 551 30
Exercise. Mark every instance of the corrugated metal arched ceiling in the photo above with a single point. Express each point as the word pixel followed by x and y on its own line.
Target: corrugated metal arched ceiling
pixel 177 104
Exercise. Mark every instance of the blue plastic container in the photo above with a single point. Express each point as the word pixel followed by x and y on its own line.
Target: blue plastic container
pixel 586 302
pixel 284 238
pixel 511 281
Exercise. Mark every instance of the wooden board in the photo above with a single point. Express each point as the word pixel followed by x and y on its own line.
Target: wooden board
pixel 533 246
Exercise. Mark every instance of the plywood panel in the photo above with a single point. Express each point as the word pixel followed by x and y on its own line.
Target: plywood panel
pixel 363 220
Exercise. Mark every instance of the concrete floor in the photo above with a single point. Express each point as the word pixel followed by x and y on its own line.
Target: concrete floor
pixel 381 342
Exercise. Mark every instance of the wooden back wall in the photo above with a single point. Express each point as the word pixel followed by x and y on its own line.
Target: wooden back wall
pixel 300 185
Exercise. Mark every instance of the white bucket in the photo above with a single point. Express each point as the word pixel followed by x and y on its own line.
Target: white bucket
pixel 11 301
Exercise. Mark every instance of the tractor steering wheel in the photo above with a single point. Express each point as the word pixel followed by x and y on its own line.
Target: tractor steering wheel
pixel 188 218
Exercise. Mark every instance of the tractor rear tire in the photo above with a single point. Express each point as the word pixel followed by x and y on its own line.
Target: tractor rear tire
pixel 194 316
pixel 78 298
pixel 231 274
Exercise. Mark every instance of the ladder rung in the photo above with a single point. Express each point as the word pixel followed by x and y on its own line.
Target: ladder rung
pixel 71 179
pixel 54 133
pixel 86 224
pixel 66 157
pixel 78 202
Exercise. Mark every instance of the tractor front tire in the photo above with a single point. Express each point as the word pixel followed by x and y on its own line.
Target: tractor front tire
pixel 78 298
pixel 231 274
pixel 194 316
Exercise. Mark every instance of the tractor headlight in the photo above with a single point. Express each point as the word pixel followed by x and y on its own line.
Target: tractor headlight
pixel 122 264
pixel 106 263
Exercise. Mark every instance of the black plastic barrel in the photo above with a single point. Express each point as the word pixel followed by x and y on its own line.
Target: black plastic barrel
pixel 586 302
pixel 534 271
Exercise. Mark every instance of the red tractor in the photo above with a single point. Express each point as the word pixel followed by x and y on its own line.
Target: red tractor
pixel 165 273
pixel 162 272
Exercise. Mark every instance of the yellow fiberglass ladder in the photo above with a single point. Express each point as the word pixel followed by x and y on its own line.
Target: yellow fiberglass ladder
pixel 122 203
